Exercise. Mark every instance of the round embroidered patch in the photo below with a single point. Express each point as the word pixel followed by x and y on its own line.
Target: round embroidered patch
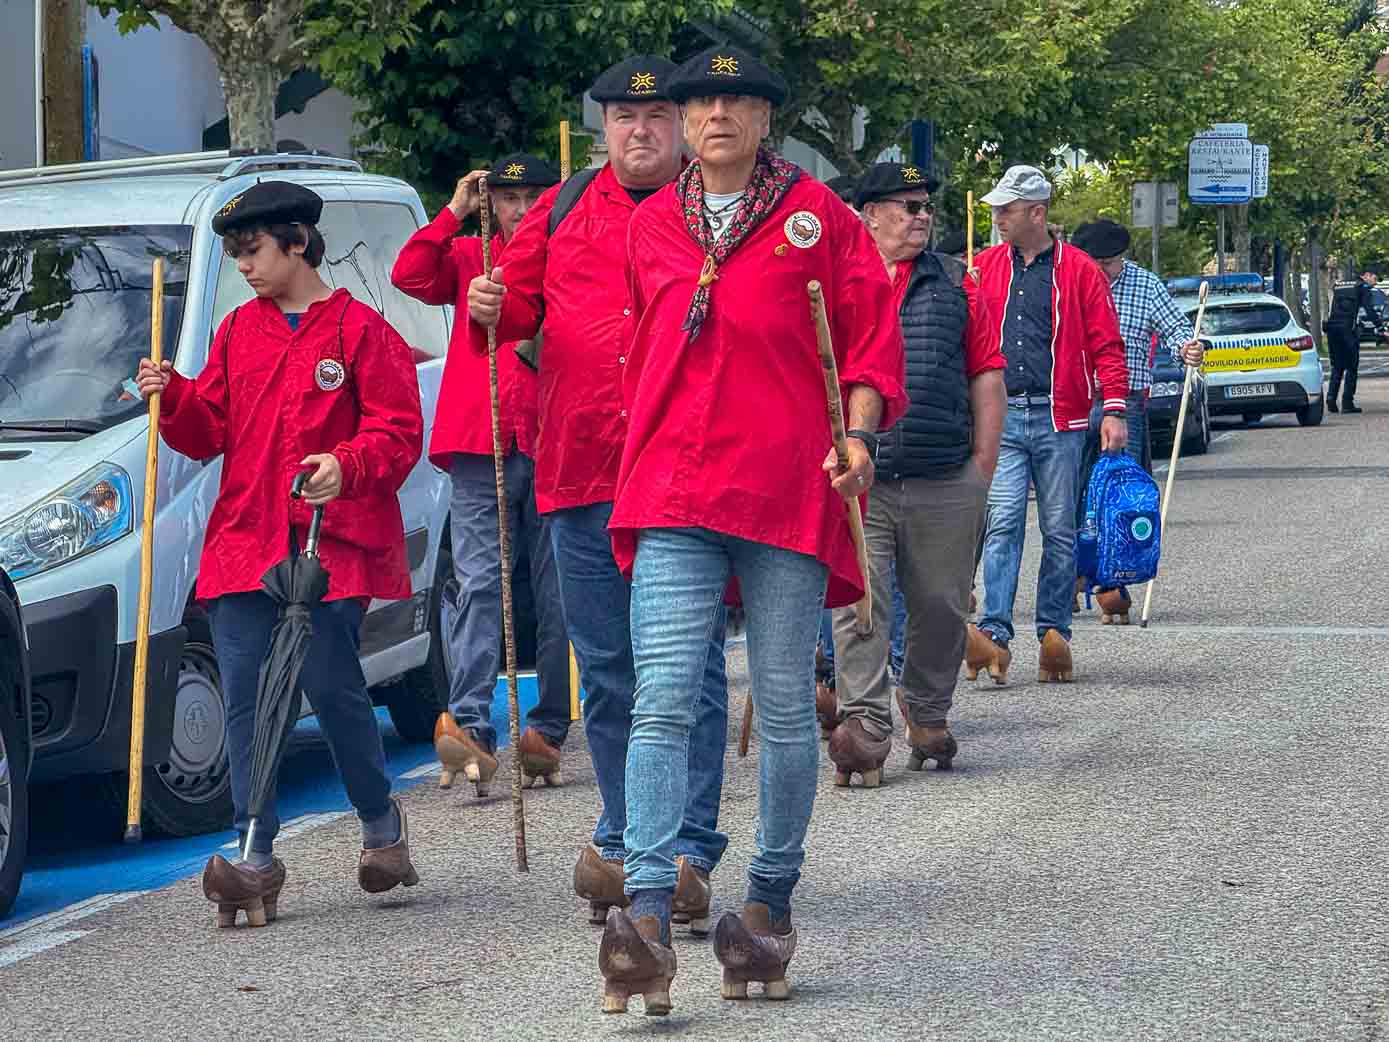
pixel 329 374
pixel 1141 529
pixel 803 229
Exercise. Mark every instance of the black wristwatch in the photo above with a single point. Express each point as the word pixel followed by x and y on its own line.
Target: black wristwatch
pixel 870 439
pixel 1115 414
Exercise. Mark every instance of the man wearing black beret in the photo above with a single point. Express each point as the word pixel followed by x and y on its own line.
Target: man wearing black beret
pixel 436 266
pixel 563 275
pixel 726 488
pixel 934 470
pixel 301 378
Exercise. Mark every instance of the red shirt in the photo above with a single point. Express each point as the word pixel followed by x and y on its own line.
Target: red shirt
pixel 982 349
pixel 573 281
pixel 434 266
pixel 267 398
pixel 729 432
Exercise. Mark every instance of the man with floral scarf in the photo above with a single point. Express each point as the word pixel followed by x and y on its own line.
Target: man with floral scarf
pixel 728 488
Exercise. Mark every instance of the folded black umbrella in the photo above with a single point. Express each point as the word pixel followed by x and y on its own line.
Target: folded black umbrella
pixel 296 584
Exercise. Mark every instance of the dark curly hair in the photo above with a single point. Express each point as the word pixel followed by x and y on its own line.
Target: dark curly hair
pixel 307 235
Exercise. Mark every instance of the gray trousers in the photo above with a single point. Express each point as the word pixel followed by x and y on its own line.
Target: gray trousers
pixel 476 637
pixel 930 528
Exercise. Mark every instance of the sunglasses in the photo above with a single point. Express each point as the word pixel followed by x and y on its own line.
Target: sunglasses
pixel 914 206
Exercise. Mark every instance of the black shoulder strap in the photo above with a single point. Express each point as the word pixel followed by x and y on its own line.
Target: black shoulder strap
pixel 953 268
pixel 569 195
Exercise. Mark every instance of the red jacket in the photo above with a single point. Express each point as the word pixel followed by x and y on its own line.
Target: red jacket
pixel 574 282
pixel 729 432
pixel 1085 339
pixel 261 403
pixel 436 267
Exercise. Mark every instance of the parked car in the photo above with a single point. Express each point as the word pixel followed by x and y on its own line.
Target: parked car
pixel 76 246
pixel 1164 402
pixel 15 751
pixel 1369 331
pixel 1259 360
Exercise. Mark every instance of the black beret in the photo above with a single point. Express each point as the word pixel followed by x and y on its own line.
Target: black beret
pixel 842 186
pixel 886 178
pixel 269 202
pixel 522 170
pixel 1101 239
pixel 643 78
pixel 725 70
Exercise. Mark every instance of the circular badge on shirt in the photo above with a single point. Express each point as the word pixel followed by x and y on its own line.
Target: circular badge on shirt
pixel 329 374
pixel 803 229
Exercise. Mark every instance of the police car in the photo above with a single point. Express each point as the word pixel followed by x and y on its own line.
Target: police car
pixel 1259 360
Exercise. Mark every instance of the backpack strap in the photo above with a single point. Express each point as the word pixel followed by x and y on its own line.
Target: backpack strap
pixel 954 270
pixel 569 195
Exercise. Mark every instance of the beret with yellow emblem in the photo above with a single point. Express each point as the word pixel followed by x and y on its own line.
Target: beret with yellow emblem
pixel 269 202
pixel 643 78
pixel 726 70
pixel 884 179
pixel 522 170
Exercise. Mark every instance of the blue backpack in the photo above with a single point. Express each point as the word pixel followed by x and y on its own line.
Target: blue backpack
pixel 1120 538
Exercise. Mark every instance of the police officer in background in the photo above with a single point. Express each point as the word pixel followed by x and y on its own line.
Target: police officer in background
pixel 1343 337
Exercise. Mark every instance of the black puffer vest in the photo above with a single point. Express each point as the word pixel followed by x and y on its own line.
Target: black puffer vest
pixel 933 439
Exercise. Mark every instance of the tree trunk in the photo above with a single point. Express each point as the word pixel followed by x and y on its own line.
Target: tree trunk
pixel 64 28
pixel 1240 257
pixel 1292 283
pixel 249 87
pixel 1314 266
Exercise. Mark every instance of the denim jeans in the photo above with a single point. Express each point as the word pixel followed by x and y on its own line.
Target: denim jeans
pixel 1032 453
pixel 678 585
pixel 895 648
pixel 597 609
pixel 475 638
pixel 332 679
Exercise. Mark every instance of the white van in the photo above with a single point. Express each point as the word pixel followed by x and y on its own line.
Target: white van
pixel 76 246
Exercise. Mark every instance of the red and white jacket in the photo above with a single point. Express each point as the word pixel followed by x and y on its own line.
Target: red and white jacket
pixel 1086 346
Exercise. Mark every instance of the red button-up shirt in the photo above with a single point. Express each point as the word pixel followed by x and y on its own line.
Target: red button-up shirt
pixel 729 432
pixel 436 267
pixel 574 282
pixel 982 351
pixel 342 383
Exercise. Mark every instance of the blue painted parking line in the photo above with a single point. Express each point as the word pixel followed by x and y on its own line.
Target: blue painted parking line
pixel 78 868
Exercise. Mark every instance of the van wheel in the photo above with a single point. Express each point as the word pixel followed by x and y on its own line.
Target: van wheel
pixel 14 792
pixel 190 794
pixel 422 694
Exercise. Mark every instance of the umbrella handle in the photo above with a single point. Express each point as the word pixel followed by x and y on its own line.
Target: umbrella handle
pixel 296 490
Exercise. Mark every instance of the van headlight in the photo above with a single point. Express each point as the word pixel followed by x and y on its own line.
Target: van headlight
pixel 84 515
pixel 1166 390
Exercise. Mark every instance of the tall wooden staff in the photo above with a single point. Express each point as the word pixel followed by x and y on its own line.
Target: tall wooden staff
pixel 969 231
pixel 518 806
pixel 1176 445
pixel 142 624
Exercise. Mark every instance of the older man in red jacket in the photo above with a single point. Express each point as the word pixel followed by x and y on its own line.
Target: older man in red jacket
pixel 302 377
pixel 436 266
pixel 1059 334
pixel 725 489
pixel 563 275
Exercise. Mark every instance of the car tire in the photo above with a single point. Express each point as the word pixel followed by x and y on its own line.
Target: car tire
pixel 14 789
pixel 190 794
pixel 415 703
pixel 1201 443
pixel 1252 417
pixel 1312 415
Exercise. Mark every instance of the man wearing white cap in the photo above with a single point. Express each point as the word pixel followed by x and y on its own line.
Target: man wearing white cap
pixel 1060 337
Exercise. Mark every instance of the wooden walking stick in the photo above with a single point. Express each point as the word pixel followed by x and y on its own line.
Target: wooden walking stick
pixel 564 164
pixel 1176 446
pixel 134 795
pixel 864 608
pixel 969 231
pixel 747 726
pixel 518 806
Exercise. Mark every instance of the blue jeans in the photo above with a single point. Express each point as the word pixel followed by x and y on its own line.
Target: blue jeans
pixel 899 633
pixel 475 637
pixel 597 610
pixel 332 678
pixel 1032 453
pixel 678 586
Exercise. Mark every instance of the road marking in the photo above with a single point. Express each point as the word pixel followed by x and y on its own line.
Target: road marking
pixel 1186 629
pixel 298 826
pixel 424 770
pixel 42 934
pixel 1161 468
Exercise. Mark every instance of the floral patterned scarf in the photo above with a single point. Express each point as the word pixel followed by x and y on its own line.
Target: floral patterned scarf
pixel 772 177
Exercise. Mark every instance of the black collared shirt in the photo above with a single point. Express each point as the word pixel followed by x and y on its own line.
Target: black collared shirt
pixel 1027 325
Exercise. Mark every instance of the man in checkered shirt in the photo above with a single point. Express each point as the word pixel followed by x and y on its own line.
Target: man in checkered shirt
pixel 1146 310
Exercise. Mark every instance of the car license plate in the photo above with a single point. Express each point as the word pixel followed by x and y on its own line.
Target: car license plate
pixel 1248 390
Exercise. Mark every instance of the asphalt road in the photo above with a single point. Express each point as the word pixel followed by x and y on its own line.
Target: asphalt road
pixel 1187 843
